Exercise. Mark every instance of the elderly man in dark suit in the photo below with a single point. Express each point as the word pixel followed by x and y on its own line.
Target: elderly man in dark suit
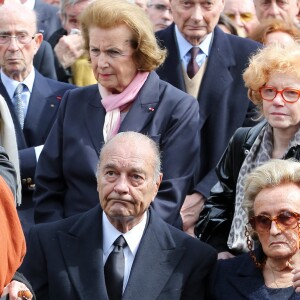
pixel 33 100
pixel 74 258
pixel 207 63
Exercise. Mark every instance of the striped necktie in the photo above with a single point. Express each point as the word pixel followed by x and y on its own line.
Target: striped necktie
pixel 19 105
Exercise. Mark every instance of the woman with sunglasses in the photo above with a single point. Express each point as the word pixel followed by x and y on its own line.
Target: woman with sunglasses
pixel 270 271
pixel 273 81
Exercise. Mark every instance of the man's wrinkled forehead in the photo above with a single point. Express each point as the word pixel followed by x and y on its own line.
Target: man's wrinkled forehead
pixel 127 150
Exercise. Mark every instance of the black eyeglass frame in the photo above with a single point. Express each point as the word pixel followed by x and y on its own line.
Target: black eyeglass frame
pixel 17 37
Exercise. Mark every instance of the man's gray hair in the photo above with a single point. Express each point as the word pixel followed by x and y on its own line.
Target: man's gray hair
pixel 64 3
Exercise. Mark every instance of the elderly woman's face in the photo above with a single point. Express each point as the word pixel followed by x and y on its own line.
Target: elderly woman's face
pixel 278 242
pixel 112 57
pixel 279 113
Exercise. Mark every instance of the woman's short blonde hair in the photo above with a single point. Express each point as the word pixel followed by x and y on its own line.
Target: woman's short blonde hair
pixel 273 58
pixel 273 173
pixel 112 13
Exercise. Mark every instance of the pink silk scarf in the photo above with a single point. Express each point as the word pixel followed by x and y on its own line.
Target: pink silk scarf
pixel 113 102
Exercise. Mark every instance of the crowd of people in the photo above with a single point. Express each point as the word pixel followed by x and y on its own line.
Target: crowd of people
pixel 149 149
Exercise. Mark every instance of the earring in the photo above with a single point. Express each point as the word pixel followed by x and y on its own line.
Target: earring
pixel 250 248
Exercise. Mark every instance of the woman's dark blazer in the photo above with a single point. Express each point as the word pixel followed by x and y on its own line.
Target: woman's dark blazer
pixel 66 172
pixel 236 278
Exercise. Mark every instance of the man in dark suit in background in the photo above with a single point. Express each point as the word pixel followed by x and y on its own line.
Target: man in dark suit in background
pixel 67 42
pixel 33 100
pixel 44 61
pixel 161 262
pixel 216 82
pixel 48 20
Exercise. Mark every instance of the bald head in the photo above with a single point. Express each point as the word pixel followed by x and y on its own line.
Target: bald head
pixel 13 8
pixel 20 40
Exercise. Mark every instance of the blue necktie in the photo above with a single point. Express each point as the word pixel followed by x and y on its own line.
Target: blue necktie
pixel 19 105
pixel 114 270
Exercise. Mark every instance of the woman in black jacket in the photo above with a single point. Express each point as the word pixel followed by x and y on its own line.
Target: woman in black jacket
pixel 273 80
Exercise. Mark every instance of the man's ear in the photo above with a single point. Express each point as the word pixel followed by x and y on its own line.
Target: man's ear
pixel 38 40
pixel 157 184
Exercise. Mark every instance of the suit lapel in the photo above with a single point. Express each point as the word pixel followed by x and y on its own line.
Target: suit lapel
pixel 172 64
pixel 157 247
pixel 82 250
pixel 249 279
pixel 218 67
pixel 143 108
pixel 42 109
pixel 94 118
pixel 137 118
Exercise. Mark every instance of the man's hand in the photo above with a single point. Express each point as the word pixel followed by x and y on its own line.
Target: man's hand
pixel 190 210
pixel 224 255
pixel 17 290
pixel 68 49
pixel 296 280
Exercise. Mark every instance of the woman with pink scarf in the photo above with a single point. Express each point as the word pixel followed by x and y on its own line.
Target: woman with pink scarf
pixel 129 96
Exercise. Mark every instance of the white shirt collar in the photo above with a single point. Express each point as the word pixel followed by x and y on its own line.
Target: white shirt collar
pixel 10 84
pixel 184 46
pixel 132 237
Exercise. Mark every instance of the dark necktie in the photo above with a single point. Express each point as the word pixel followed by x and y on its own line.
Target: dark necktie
pixel 193 67
pixel 19 105
pixel 114 270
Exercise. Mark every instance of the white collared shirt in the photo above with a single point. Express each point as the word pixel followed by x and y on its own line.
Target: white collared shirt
pixel 184 47
pixel 11 85
pixel 132 237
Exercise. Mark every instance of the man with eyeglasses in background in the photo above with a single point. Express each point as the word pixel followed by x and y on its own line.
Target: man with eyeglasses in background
pixel 32 99
pixel 71 63
pixel 242 14
pixel 160 14
pixel 207 63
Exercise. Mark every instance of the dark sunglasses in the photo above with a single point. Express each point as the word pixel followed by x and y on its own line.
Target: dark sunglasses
pixel 285 220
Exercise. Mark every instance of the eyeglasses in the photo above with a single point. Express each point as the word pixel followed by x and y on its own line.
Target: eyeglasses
pixel 21 38
pixel 161 7
pixel 285 220
pixel 269 93
pixel 245 17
